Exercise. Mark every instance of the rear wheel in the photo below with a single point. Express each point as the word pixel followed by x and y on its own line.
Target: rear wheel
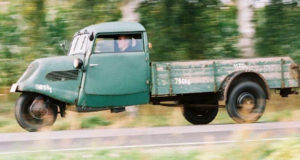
pixel 34 112
pixel 200 114
pixel 246 102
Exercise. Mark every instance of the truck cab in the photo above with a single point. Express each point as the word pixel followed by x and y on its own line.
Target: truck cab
pixel 116 67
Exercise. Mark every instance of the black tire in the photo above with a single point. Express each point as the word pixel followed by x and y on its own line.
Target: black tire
pixel 201 114
pixel 26 120
pixel 246 102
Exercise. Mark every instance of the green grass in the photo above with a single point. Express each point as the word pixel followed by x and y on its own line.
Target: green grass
pixel 94 121
pixel 261 150
pixel 3 122
pixel 6 107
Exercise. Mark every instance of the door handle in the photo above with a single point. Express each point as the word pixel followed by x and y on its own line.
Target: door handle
pixel 94 65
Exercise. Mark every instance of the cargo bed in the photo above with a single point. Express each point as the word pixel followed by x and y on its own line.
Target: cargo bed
pixel 172 78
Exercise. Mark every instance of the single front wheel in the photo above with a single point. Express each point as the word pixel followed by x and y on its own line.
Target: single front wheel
pixel 34 112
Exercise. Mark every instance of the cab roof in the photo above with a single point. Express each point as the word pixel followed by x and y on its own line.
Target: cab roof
pixel 114 27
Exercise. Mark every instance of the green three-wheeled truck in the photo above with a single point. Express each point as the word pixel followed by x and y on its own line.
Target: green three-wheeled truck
pixel 108 68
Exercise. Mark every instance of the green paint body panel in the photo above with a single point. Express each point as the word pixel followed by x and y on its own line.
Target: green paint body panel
pixel 118 79
pixel 171 78
pixel 123 79
pixel 117 74
pixel 34 79
pixel 113 101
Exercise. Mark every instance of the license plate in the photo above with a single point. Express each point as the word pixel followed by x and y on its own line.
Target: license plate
pixel 13 88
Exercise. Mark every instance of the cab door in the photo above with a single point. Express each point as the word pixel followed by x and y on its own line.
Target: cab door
pixel 117 78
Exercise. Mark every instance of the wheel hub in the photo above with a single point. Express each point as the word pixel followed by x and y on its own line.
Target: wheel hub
pixel 38 109
pixel 246 101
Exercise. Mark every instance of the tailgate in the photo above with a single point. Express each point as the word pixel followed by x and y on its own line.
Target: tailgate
pixel 296 72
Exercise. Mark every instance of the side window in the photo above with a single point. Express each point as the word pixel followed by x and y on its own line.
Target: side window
pixel 104 45
pixel 119 43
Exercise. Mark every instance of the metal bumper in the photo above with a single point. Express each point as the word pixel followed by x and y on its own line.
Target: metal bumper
pixel 14 88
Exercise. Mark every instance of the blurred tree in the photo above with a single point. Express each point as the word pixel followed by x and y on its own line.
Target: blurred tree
pixel 87 12
pixel 10 38
pixel 277 28
pixel 33 29
pixel 57 33
pixel 246 28
pixel 34 14
pixel 190 29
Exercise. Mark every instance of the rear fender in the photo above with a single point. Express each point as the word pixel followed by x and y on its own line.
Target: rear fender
pixel 233 78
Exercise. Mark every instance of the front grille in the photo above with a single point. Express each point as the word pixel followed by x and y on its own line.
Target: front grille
pixel 62 75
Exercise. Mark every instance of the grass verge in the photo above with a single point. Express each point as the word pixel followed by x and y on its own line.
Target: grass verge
pixel 270 150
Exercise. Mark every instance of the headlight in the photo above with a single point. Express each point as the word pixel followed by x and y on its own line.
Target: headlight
pixel 77 63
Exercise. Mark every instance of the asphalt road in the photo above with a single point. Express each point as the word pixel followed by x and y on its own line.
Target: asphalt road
pixel 98 139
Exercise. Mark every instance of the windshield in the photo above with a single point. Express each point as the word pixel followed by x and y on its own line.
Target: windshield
pixel 119 43
pixel 79 45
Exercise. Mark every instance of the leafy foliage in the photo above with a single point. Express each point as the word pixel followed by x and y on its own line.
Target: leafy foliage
pixel 178 29
pixel 184 30
pixel 34 29
pixel 277 30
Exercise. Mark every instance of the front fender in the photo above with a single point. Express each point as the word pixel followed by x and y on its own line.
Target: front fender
pixel 54 77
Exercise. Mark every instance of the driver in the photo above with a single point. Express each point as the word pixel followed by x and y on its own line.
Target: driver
pixel 124 44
